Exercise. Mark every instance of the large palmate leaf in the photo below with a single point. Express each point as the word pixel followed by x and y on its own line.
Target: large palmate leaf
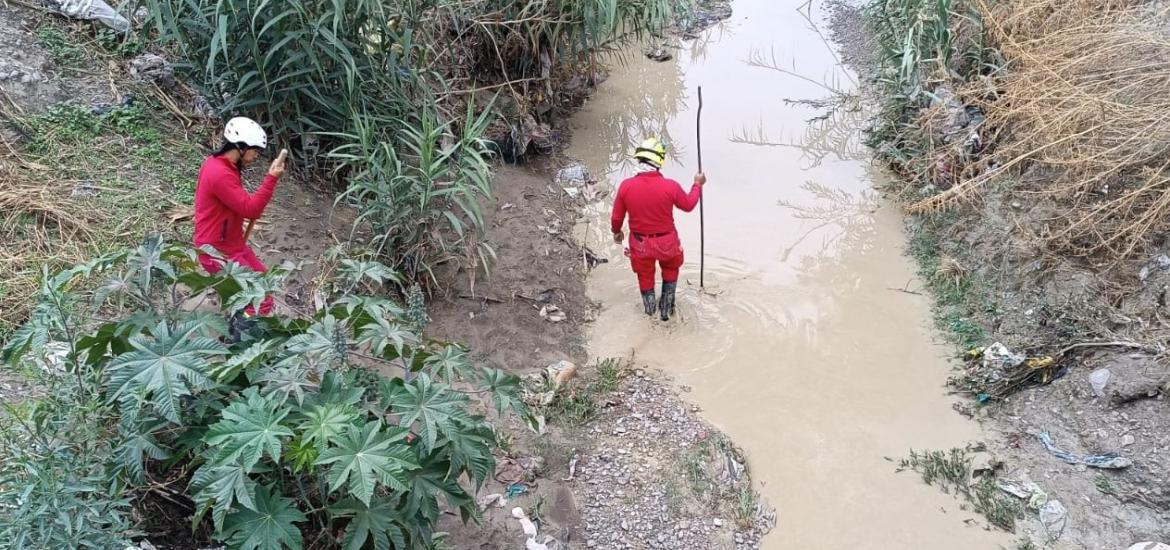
pixel 428 484
pixel 377 523
pixel 505 391
pixel 365 456
pixel 267 526
pixel 282 382
pixel 164 368
pixel 217 488
pixel 319 346
pixel 469 449
pixel 357 271
pixel 387 339
pixel 244 362
pixel 335 390
pixel 137 443
pixel 325 422
pixel 435 407
pixel 449 363
pixel 248 429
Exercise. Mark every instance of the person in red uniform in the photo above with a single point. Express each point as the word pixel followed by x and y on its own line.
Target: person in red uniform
pixel 649 199
pixel 222 204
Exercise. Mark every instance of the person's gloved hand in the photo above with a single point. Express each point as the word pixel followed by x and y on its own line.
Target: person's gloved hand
pixel 700 179
pixel 619 237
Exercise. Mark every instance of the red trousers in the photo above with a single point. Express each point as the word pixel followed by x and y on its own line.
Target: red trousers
pixel 248 259
pixel 648 251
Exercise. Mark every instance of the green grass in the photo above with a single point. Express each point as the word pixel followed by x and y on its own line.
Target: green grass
pixel 576 404
pixel 1105 485
pixel 693 474
pixel 131 157
pixel 959 298
pixel 950 470
pixel 61 46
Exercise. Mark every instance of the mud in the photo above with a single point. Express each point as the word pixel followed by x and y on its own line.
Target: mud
pixel 802 346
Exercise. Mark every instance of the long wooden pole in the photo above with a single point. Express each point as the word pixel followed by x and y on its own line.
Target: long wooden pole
pixel 702 231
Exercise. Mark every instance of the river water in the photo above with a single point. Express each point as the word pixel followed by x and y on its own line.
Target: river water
pixel 800 347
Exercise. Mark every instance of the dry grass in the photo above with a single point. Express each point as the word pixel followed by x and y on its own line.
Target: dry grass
pixel 39 224
pixel 1085 99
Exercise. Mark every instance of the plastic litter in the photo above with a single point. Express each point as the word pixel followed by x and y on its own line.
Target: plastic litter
pixel 526 524
pixel 553 314
pixel 573 466
pixel 494 499
pixel 1149 545
pixel 1054 516
pixel 998 356
pixel 1026 489
pixel 574 175
pixel 514 490
pixel 90 10
pixel 1161 262
pixel 1098 380
pixel 1110 461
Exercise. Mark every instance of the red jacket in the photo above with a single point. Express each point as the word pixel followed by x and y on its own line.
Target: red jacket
pixel 650 199
pixel 222 204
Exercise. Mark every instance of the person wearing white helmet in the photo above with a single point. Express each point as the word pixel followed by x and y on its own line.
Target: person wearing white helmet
pixel 222 204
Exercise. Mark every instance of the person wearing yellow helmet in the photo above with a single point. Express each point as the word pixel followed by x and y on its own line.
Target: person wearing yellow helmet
pixel 649 199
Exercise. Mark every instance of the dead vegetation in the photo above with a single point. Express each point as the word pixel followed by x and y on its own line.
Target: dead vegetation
pixel 1082 101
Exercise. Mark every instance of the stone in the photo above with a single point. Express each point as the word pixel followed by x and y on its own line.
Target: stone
pixel 1127 440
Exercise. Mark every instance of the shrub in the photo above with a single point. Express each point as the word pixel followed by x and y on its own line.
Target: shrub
pixel 281 433
pixel 363 89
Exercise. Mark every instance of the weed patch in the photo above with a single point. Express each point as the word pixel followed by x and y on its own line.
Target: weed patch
pixel 61 46
pixel 951 471
pixel 86 181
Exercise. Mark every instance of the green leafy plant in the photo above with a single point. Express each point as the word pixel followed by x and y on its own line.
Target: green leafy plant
pixel 60 46
pixel 364 89
pixel 280 439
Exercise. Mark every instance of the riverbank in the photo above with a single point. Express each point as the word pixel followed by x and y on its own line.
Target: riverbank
pixel 1084 363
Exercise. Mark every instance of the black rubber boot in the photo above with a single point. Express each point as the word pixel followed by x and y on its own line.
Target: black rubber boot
pixel 666 303
pixel 649 302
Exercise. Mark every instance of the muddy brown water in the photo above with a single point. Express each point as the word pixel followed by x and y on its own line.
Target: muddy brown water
pixel 801 348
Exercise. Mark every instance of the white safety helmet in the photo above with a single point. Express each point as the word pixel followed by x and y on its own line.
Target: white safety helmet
pixel 247 131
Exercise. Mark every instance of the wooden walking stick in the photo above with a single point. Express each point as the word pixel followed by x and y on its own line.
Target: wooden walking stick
pixel 699 147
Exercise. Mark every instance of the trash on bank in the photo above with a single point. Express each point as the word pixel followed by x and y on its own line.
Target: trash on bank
pixel 553 314
pixel 89 10
pixel 1109 461
pixel 995 372
pixel 495 499
pixel 1054 517
pixel 1027 490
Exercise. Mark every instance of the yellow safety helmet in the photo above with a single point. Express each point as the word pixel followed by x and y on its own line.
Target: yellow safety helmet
pixel 652 151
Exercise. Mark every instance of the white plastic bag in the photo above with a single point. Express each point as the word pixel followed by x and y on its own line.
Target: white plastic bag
pixel 90 10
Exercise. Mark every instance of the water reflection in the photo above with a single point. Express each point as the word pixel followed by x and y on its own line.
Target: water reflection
pixel 635 114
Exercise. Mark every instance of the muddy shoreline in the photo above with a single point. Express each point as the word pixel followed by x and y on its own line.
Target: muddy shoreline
pixel 1105 508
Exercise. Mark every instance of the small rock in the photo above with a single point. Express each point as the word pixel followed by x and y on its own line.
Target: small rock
pixel 718 522
pixel 1150 545
pixel 150 67
pixel 1127 440
pixel 590 543
pixel 738 538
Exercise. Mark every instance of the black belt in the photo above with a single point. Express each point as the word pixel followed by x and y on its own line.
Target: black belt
pixel 641 236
